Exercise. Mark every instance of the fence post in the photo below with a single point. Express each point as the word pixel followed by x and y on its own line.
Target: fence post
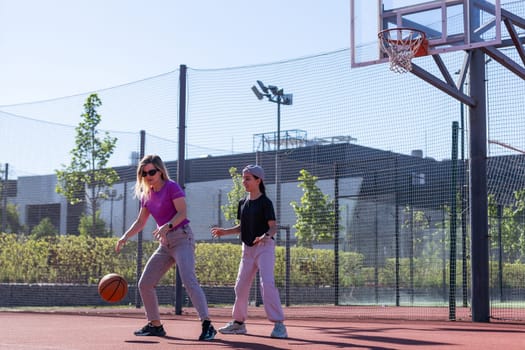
pixel 138 300
pixel 453 224
pixel 4 197
pixel 180 169
pixel 336 234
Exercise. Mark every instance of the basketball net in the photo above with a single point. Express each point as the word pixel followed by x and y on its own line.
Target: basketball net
pixel 401 45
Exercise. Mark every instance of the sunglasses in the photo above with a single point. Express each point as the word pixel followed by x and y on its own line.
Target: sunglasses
pixel 149 172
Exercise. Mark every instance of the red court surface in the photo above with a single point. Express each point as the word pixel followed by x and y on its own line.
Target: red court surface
pixel 113 329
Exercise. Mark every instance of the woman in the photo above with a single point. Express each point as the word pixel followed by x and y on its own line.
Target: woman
pixel 257 228
pixel 165 200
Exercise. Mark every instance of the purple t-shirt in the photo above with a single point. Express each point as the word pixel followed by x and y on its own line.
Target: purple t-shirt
pixel 160 204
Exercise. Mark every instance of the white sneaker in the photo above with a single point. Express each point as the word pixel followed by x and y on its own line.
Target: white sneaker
pixel 279 331
pixel 233 328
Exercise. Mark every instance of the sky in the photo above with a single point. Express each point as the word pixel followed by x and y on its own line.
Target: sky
pixel 56 48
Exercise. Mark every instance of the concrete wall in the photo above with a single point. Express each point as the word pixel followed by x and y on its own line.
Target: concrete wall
pixel 23 295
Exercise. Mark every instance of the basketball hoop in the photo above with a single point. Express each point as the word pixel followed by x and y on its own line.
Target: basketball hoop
pixel 401 45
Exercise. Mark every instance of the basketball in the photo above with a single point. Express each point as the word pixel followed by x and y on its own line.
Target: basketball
pixel 112 287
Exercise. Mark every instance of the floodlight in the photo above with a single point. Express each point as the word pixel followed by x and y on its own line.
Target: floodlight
pixel 257 92
pixel 263 88
pixel 287 99
pixel 273 89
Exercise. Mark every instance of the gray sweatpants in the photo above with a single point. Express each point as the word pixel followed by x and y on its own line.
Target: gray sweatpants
pixel 259 257
pixel 180 250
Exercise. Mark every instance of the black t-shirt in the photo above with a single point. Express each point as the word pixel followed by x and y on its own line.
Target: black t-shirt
pixel 254 216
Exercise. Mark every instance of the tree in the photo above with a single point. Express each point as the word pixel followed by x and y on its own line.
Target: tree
pixel 315 213
pixel 512 228
pixel 418 223
pixel 87 176
pixel 86 226
pixel 13 221
pixel 234 196
pixel 45 228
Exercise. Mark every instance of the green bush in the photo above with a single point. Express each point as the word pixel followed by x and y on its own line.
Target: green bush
pixel 22 260
pixel 217 263
pixel 428 273
pixel 513 275
pixel 315 267
pixel 84 260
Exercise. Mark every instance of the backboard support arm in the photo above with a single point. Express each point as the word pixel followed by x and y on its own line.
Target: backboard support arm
pixel 447 87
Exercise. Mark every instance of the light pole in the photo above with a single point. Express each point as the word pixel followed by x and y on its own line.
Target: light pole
pixel 275 95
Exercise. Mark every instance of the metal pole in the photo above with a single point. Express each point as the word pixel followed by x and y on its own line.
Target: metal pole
pixel 463 208
pixel 124 205
pixel 336 234
pixel 111 215
pixel 138 301
pixel 478 191
pixel 4 197
pixel 288 267
pixel 453 233
pixel 411 248
pixel 277 168
pixel 397 235
pixel 500 252
pixel 180 169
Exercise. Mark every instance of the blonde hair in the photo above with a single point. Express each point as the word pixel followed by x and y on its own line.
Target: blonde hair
pixel 142 189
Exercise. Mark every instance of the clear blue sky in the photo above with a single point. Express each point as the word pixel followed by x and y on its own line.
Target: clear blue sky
pixel 54 48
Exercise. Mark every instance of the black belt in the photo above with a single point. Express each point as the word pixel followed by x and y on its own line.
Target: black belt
pixel 179 227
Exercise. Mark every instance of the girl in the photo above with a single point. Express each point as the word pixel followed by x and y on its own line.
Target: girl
pixel 257 228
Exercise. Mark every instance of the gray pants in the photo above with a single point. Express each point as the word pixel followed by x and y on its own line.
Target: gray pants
pixel 180 250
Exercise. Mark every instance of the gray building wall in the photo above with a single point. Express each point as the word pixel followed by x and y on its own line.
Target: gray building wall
pixel 203 200
pixel 39 190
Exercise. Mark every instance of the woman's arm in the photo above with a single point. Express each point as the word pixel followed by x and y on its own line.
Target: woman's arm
pixel 135 228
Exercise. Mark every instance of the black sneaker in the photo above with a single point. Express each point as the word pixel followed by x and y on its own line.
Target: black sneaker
pixel 151 330
pixel 208 332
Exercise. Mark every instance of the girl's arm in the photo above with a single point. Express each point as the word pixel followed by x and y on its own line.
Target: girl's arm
pixel 219 231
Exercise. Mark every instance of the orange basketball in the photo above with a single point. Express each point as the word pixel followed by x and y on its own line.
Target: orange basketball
pixel 112 287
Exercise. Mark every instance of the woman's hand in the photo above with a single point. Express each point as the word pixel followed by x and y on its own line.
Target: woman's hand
pixel 121 242
pixel 160 233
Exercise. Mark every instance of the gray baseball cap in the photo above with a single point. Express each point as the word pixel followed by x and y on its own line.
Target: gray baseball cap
pixel 255 170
